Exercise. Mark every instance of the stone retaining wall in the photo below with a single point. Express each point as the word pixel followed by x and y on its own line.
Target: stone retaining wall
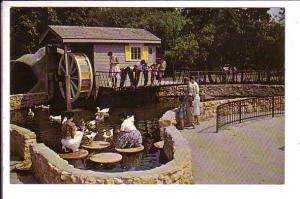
pixel 19 101
pixel 48 167
pixel 20 140
pixel 209 109
pixel 208 92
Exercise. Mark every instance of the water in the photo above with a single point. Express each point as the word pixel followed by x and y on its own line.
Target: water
pixel 146 115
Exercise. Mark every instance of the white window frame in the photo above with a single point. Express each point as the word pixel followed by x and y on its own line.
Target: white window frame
pixel 141 52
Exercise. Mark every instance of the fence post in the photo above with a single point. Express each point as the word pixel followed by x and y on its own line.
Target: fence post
pixel 217 125
pixel 240 111
pixel 273 106
pixel 242 76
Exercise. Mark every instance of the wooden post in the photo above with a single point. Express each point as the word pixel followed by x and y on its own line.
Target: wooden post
pixel 46 70
pixel 68 83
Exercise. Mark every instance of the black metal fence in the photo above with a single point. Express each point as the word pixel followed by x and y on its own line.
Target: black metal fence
pixel 235 77
pixel 241 110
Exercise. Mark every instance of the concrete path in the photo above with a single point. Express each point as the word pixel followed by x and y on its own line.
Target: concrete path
pixel 248 153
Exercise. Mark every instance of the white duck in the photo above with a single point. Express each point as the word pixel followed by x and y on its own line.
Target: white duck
pixel 91 136
pixel 30 113
pixel 108 134
pixel 92 124
pixel 57 119
pixel 43 107
pixel 104 112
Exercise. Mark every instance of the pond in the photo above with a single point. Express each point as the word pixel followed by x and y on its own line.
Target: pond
pixel 146 120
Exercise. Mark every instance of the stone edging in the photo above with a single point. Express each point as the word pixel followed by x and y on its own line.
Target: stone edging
pixel 48 167
pixel 20 140
pixel 19 101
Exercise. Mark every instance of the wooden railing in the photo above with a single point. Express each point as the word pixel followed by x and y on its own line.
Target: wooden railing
pixel 134 79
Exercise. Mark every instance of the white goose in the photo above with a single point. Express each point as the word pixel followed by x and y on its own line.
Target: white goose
pixel 91 136
pixel 104 112
pixel 43 107
pixel 30 113
pixel 108 134
pixel 92 124
pixel 57 119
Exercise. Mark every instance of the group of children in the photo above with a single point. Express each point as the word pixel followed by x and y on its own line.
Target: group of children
pixel 155 70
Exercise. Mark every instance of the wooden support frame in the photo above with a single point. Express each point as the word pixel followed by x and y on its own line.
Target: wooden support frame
pixel 67 77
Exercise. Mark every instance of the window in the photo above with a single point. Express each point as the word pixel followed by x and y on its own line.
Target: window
pixel 135 53
pixel 150 51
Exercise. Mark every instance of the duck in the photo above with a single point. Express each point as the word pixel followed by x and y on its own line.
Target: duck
pixel 108 134
pixel 90 136
pixel 30 113
pixel 104 112
pixel 43 107
pixel 57 119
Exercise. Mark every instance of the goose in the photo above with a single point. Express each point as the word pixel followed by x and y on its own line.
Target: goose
pixel 91 136
pixel 104 112
pixel 108 134
pixel 57 119
pixel 43 107
pixel 30 113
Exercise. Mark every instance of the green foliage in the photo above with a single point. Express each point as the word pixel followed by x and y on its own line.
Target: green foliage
pixel 197 38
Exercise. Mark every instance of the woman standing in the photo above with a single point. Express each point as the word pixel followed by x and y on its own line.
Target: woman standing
pixel 196 101
pixel 129 135
pixel 114 69
pixel 71 137
pixel 189 102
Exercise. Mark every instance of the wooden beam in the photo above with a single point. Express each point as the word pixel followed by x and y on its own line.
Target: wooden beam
pixel 68 84
pixel 46 70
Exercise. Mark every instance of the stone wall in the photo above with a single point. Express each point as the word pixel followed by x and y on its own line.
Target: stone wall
pixel 48 167
pixel 209 109
pixel 208 92
pixel 20 140
pixel 240 90
pixel 19 101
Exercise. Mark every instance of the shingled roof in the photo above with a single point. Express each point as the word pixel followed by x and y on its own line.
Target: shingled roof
pixel 75 34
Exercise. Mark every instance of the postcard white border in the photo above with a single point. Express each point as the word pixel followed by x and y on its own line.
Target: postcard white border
pixel 289 190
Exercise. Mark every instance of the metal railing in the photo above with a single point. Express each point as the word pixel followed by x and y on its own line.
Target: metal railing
pixel 242 110
pixel 235 77
pixel 134 79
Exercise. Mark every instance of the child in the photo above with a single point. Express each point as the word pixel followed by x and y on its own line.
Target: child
pixel 181 114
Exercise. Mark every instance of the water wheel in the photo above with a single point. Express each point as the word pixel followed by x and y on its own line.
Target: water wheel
pixel 81 76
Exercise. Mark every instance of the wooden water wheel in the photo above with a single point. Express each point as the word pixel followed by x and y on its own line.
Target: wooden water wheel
pixel 81 76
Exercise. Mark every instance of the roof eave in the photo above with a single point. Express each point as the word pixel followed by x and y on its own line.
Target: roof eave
pixel 76 40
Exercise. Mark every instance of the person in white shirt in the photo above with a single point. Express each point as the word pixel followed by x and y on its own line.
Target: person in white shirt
pixel 138 68
pixel 196 100
pixel 130 136
pixel 114 69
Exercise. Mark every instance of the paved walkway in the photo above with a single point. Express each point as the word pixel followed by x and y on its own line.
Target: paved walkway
pixel 250 153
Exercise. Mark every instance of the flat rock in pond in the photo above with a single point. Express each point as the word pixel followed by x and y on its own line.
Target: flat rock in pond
pixel 96 145
pixel 82 153
pixel 131 150
pixel 106 158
